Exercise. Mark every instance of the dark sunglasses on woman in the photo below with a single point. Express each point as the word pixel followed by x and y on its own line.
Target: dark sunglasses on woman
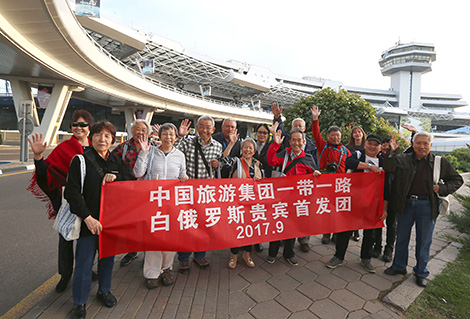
pixel 81 124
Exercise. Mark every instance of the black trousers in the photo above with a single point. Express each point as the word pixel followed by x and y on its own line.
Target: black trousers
pixel 288 251
pixel 342 242
pixel 391 223
pixel 235 250
pixel 65 257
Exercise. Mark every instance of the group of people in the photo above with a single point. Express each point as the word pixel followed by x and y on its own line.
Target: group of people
pixel 410 195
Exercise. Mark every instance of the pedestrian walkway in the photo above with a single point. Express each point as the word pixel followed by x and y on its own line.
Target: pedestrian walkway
pixel 272 291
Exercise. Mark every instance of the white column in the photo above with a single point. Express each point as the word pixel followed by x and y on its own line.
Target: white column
pixel 21 91
pixel 129 115
pixel 55 112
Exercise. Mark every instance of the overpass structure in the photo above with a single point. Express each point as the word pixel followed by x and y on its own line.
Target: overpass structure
pixel 43 43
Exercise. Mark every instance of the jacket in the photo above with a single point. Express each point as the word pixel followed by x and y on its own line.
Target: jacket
pixel 305 162
pixel 310 146
pixel 88 203
pixel 404 166
pixel 327 153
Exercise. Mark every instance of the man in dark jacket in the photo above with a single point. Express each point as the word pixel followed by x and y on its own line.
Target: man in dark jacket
pixel 366 160
pixel 229 126
pixel 414 199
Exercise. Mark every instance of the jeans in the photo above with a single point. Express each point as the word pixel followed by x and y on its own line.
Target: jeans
pixel 185 256
pixel 417 212
pixel 391 223
pixel 84 257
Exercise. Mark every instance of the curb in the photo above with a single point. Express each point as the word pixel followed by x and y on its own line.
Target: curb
pixel 16 169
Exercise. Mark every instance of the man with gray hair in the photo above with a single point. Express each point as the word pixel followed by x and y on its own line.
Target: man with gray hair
pixel 309 148
pixel 202 155
pixel 414 200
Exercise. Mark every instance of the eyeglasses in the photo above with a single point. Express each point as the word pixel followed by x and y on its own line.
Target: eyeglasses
pixel 262 132
pixel 81 124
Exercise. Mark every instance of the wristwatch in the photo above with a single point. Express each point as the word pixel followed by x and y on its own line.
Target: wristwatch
pixel 369 166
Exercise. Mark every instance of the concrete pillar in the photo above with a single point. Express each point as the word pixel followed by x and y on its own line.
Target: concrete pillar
pixel 55 112
pixel 22 91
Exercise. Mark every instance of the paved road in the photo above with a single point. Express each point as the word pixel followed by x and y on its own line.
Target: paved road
pixel 28 244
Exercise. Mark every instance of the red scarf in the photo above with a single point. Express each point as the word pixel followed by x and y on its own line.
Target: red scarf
pixel 58 163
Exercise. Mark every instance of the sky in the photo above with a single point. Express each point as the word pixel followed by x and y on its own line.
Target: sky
pixel 340 40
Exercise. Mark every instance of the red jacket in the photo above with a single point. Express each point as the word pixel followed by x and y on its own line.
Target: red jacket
pixel 305 164
pixel 327 153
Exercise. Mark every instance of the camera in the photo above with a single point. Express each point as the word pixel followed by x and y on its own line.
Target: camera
pixel 331 167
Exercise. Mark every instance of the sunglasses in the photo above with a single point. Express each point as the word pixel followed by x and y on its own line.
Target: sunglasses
pixel 81 124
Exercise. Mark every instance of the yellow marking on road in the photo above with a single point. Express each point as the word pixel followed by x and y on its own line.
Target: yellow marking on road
pixel 32 299
pixel 4 175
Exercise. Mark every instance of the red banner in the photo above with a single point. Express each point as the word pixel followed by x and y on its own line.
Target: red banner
pixel 211 214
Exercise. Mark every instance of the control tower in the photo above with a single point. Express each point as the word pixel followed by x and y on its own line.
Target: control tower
pixel 405 63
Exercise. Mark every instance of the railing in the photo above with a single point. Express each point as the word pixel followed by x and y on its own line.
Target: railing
pixel 158 83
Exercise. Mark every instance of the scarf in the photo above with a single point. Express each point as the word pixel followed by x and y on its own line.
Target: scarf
pixel 58 163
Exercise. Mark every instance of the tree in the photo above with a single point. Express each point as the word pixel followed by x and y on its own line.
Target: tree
pixel 342 109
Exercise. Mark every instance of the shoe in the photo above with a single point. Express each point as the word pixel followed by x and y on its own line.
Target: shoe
pixel 387 257
pixel 167 278
pixel 248 261
pixel 79 311
pixel 392 272
pixel 62 284
pixel 422 282
pixel 232 263
pixel 151 283
pixel 271 260
pixel 184 267
pixel 201 262
pixel 259 247
pixel 94 276
pixel 304 248
pixel 127 259
pixel 325 240
pixel 376 251
pixel 107 298
pixel 367 265
pixel 334 262
pixel 293 261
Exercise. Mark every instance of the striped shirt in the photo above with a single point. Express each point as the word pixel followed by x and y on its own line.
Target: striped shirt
pixel 212 151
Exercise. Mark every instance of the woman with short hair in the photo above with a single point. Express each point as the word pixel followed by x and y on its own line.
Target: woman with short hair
pixel 161 162
pixel 101 166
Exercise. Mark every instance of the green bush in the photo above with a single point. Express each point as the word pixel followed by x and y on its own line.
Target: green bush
pixel 460 159
pixel 342 109
pixel 1 138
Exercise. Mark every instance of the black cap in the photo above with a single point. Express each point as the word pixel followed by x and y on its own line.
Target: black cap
pixel 373 137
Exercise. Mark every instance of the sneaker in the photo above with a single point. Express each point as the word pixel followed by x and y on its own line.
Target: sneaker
pixel 107 298
pixel 79 312
pixel 271 260
pixel 127 259
pixel 334 262
pixel 293 261
pixel 325 240
pixel 184 267
pixel 62 284
pixel 304 248
pixel 392 272
pixel 167 278
pixel 387 257
pixel 151 283
pixel 201 262
pixel 367 265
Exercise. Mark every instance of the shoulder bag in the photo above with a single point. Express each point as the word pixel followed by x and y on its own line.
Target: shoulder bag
pixel 66 223
pixel 444 202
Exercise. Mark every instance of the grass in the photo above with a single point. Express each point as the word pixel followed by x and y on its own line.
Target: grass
pixel 447 295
